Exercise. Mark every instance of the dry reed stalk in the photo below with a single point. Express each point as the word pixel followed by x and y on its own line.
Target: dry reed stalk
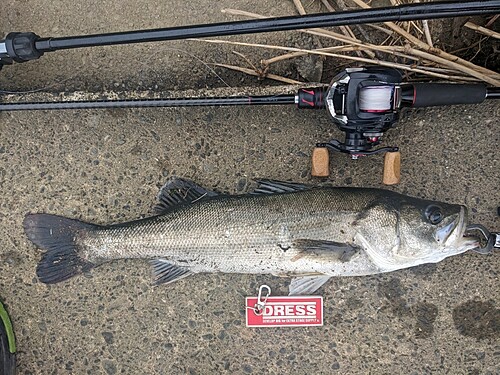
pixel 482 30
pixel 318 32
pixel 426 32
pixel 405 51
pixel 468 67
pixel 492 20
pixel 346 30
pixel 405 67
pixel 298 54
pixel 256 73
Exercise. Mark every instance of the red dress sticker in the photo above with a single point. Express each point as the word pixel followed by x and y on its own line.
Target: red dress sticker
pixel 286 311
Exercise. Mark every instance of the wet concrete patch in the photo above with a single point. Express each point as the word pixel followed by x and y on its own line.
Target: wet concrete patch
pixel 422 312
pixel 425 315
pixel 393 291
pixel 477 319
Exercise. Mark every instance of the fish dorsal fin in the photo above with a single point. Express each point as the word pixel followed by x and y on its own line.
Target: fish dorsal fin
pixel 165 273
pixel 276 187
pixel 306 284
pixel 178 190
pixel 327 250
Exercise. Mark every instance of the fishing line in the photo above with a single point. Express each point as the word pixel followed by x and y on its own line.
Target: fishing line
pixel 375 98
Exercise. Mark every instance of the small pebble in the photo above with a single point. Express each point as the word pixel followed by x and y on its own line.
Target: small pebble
pixel 241 184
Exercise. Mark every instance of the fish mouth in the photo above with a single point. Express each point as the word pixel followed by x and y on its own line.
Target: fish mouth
pixel 453 235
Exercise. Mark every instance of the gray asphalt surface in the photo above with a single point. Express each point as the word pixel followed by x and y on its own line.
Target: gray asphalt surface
pixel 106 166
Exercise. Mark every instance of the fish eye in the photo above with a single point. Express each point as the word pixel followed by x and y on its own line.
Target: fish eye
pixel 434 214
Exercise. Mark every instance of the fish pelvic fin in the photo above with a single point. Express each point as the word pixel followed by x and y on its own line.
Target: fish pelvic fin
pixel 57 236
pixel 165 272
pixel 304 285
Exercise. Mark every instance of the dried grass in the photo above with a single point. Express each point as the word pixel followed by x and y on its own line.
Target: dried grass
pixel 408 46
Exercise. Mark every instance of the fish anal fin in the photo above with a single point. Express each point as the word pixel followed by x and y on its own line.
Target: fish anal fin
pixel 176 191
pixel 165 272
pixel 304 285
pixel 329 250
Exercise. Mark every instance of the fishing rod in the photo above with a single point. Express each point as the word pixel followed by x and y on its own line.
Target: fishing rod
pixel 26 46
pixel 363 102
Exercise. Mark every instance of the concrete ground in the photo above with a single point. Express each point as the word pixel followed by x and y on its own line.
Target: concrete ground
pixel 105 166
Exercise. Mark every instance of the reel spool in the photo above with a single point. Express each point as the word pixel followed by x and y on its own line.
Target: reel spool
pixel 377 99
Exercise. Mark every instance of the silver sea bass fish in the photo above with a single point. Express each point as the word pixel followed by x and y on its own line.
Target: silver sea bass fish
pixel 281 228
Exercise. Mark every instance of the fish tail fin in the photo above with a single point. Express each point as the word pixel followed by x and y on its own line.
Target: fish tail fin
pixel 56 235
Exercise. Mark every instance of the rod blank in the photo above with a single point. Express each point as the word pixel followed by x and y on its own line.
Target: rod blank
pixel 405 12
pixel 148 103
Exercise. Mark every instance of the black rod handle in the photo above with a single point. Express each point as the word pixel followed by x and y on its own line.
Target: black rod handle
pixel 493 93
pixel 436 94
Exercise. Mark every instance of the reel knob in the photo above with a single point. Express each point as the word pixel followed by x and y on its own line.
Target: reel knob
pixel 392 168
pixel 320 162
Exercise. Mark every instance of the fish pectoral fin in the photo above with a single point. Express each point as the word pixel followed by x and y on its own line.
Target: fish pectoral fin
pixel 178 190
pixel 306 284
pixel 329 250
pixel 165 272
pixel 277 187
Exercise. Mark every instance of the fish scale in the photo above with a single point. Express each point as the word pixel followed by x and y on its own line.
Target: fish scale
pixel 248 228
